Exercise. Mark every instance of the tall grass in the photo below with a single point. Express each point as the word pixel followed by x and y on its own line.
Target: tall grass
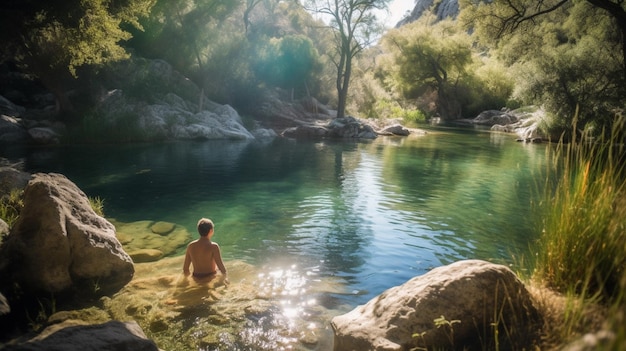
pixel 581 251
pixel 10 206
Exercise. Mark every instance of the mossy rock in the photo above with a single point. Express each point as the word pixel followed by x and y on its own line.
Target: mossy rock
pixel 146 255
pixel 162 228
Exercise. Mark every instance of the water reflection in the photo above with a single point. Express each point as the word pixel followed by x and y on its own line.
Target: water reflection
pixel 367 215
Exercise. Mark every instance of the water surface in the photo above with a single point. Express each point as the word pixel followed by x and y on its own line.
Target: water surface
pixel 368 215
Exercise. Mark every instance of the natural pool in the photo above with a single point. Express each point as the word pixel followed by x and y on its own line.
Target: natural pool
pixel 365 215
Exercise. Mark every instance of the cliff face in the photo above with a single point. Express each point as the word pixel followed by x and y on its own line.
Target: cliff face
pixel 442 9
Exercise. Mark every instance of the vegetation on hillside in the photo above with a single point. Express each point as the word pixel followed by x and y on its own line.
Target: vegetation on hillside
pixel 560 55
pixel 566 56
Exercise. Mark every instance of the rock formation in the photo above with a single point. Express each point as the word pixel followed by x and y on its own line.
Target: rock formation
pixel 59 244
pixel 441 8
pixel 465 305
pixel 338 128
pixel 75 335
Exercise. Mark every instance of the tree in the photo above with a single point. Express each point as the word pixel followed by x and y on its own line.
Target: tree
pixel 354 26
pixel 430 58
pixel 182 32
pixel 501 17
pixel 287 62
pixel 53 39
pixel 567 56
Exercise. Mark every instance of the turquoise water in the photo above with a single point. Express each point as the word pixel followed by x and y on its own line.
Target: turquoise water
pixel 370 214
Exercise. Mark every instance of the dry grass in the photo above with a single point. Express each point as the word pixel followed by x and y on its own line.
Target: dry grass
pixel 565 318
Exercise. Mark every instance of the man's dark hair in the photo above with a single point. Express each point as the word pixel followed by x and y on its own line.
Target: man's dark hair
pixel 204 226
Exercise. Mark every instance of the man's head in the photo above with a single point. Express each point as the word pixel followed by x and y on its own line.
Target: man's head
pixel 205 226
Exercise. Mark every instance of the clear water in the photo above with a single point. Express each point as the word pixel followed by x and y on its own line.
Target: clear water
pixel 330 224
pixel 372 214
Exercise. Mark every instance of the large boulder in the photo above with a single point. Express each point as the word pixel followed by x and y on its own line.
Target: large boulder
pixel 337 128
pixel 59 243
pixel 171 117
pixel 465 305
pixel 350 127
pixel 74 335
pixel 173 107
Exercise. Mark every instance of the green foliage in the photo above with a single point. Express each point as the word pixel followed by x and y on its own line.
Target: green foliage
pixel 421 60
pixel 94 128
pixel 55 38
pixel 425 59
pixel 354 26
pixel 10 206
pixel 180 30
pixel 287 62
pixel 564 58
pixel 97 205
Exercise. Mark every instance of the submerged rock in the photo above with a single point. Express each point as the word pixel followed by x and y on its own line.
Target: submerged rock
pixel 143 239
pixel 459 306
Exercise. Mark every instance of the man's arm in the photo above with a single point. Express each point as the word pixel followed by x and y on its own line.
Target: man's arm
pixel 187 262
pixel 218 260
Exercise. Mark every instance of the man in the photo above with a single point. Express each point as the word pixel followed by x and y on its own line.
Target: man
pixel 203 254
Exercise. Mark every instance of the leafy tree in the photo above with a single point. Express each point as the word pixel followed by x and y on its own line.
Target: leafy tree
pixel 288 62
pixel 183 33
pixel 354 27
pixel 53 39
pixel 498 18
pixel 430 58
pixel 567 59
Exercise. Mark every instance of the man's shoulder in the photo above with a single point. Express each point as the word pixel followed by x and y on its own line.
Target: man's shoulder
pixel 192 243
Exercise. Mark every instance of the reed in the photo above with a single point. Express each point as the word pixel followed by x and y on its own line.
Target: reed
pixel 581 251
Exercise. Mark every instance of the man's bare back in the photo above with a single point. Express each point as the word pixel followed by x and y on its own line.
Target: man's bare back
pixel 205 257
pixel 203 254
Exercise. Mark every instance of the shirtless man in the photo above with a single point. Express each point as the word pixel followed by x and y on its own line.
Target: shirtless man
pixel 204 254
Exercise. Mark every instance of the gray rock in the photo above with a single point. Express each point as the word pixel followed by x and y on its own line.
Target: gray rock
pixel 10 109
pixel 43 135
pixel 493 117
pixel 4 228
pixel 395 129
pixel 262 133
pixel 12 132
pixel 174 118
pixel 451 307
pixel 305 131
pixel 350 127
pixel 59 243
pixel 442 9
pixel 74 335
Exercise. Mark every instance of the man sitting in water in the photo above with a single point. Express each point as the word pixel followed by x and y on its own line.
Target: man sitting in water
pixel 204 254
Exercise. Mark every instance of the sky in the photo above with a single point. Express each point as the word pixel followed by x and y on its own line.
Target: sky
pixel 397 10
